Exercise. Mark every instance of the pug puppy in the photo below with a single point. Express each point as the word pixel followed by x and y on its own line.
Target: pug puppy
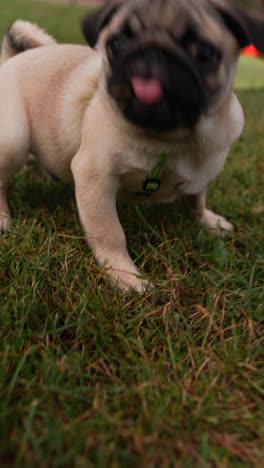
pixel 149 115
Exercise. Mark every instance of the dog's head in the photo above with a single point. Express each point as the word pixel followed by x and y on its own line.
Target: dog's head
pixel 168 62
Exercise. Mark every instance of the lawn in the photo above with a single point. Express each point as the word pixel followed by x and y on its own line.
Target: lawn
pixel 90 376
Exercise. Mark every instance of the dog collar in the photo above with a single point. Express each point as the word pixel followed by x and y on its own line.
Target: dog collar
pixel 153 181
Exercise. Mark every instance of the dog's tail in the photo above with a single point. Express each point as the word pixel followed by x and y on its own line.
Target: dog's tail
pixel 22 36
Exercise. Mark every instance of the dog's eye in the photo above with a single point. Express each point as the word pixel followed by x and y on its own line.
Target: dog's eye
pixel 206 54
pixel 113 46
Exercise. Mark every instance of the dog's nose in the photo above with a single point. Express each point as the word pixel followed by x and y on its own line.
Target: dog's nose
pixel 149 64
pixel 152 54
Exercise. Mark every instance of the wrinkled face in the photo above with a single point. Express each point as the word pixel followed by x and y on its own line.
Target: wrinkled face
pixel 168 61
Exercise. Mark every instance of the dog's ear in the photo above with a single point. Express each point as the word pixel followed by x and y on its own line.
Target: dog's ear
pixel 246 26
pixel 94 23
pixel 254 22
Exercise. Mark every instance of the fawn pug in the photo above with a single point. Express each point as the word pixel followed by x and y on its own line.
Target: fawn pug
pixel 148 115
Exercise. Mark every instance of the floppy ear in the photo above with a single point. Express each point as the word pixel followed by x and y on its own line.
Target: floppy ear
pixel 246 26
pixel 89 27
pixel 235 23
pixel 94 23
pixel 254 23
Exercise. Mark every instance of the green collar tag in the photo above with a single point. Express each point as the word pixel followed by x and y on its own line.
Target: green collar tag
pixel 153 181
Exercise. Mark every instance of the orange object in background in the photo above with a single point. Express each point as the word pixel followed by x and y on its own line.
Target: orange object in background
pixel 251 50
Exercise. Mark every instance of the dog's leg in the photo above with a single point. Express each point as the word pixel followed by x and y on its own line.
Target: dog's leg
pixel 96 200
pixel 9 164
pixel 213 222
pixel 4 211
pixel 13 149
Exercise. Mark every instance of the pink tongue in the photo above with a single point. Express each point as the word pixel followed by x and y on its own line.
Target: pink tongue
pixel 147 90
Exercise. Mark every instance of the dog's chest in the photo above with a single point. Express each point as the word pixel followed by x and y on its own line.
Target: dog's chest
pixel 185 168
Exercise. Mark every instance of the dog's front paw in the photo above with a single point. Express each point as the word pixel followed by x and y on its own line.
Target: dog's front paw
pixel 127 281
pixel 4 222
pixel 216 224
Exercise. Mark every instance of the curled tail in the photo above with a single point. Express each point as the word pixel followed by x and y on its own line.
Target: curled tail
pixel 21 36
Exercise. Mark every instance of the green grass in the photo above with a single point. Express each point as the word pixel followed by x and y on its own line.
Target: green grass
pixel 61 20
pixel 93 377
pixel 250 73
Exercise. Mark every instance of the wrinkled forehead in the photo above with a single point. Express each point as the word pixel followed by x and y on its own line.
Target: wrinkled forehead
pixel 172 16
